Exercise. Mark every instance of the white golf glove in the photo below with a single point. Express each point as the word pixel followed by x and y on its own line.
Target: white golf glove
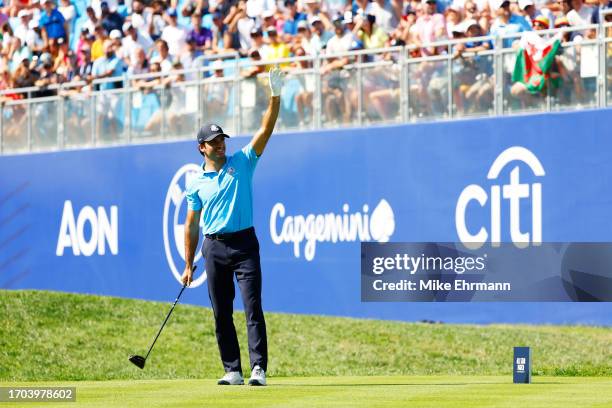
pixel 276 81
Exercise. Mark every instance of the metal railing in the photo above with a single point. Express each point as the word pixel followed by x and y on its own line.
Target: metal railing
pixel 374 87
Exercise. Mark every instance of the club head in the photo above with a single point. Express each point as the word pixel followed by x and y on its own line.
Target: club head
pixel 138 361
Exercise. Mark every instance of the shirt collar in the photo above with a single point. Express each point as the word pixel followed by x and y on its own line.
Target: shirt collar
pixel 227 159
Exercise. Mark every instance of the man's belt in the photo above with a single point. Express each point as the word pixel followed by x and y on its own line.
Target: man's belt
pixel 225 236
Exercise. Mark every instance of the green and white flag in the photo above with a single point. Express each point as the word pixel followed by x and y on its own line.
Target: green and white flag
pixel 534 60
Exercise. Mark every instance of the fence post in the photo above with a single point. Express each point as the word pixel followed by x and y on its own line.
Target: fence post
pixel 404 90
pixel 61 129
pixel 498 64
pixel 94 118
pixel 316 100
pixel 29 122
pixel 237 97
pixel 128 110
pixel 1 127
pixel 360 94
pixel 449 85
pixel 601 75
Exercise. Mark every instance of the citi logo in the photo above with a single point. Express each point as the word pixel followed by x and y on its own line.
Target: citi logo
pixel 331 227
pixel 514 192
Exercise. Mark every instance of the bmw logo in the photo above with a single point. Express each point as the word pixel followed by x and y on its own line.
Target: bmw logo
pixel 175 211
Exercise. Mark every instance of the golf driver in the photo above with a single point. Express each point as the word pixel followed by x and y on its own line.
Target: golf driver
pixel 139 361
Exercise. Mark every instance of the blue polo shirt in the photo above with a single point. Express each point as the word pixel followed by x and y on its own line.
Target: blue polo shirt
pixel 226 197
pixel 53 24
pixel 516 24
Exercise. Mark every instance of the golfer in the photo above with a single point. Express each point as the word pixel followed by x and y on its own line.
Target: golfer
pixel 222 197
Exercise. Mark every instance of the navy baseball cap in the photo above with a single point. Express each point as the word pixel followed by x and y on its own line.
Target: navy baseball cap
pixel 209 132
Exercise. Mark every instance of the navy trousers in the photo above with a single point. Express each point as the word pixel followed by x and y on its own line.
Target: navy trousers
pixel 227 255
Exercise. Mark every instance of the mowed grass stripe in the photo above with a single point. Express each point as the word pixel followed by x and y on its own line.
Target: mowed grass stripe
pixel 358 392
pixel 60 336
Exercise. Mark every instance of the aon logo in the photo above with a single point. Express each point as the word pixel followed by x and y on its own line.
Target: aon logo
pixel 103 231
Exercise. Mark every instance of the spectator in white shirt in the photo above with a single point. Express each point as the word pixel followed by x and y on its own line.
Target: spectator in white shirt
pixel 21 27
pixel 163 57
pixel 386 13
pixel 134 39
pixel 580 14
pixel 174 35
pixel 34 37
pixel 68 11
pixel 92 20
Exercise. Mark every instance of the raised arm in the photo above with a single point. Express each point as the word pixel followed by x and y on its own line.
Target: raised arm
pixel 261 137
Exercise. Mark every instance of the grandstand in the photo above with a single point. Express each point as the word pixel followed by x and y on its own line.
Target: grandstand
pixel 78 75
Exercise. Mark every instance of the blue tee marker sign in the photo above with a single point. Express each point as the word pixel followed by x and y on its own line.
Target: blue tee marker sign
pixel 522 365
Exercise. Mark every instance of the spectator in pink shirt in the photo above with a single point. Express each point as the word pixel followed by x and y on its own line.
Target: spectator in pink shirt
pixel 430 27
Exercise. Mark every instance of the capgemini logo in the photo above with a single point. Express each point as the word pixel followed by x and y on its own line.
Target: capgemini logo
pixel 331 227
pixel 513 192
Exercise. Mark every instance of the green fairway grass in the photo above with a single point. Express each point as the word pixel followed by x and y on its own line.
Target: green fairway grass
pixel 50 336
pixel 354 392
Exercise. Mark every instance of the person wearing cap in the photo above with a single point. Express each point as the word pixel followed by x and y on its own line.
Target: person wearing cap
pixel 258 43
pixel 387 17
pixel 429 27
pixel 97 6
pixel 154 17
pixel 239 27
pixel 69 12
pixel 189 59
pixel 108 66
pixel 338 44
pixel 20 31
pixel 320 35
pixel 541 22
pixel 174 34
pixel 46 76
pixel 303 38
pixel 85 65
pixel 530 13
pixel 52 22
pixel 134 39
pixel 97 48
pixel 110 19
pixel 267 21
pixel 200 36
pixel 276 48
pixel 220 199
pixel 92 21
pixel 256 8
pixel 221 39
pixel 292 18
pixel 371 34
pixel 506 23
pixel 34 38
pixel 108 104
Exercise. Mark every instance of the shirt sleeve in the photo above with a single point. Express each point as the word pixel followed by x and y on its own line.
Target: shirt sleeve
pixel 250 155
pixel 60 17
pixel 193 199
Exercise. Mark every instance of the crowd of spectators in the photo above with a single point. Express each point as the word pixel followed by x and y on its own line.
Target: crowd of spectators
pixel 45 43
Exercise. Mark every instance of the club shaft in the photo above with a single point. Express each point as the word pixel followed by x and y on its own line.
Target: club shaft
pixel 164 323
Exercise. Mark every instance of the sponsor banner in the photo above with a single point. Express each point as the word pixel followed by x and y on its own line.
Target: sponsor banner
pixel 110 220
pixel 452 272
